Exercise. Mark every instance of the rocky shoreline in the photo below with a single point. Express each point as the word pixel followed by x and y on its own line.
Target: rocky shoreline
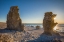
pixel 30 34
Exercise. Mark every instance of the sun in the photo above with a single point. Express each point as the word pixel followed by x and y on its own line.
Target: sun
pixel 54 18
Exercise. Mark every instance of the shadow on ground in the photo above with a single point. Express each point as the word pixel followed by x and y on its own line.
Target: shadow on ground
pixel 7 30
pixel 46 38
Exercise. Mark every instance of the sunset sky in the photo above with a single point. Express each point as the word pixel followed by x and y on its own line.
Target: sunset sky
pixel 32 11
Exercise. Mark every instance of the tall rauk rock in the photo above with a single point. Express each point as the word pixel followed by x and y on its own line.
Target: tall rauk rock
pixel 13 19
pixel 48 23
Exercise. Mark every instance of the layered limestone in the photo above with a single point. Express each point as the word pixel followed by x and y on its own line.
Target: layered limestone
pixel 48 23
pixel 13 19
pixel 6 38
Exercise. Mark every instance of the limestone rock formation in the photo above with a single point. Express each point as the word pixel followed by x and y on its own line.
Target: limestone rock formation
pixel 6 38
pixel 48 22
pixel 13 19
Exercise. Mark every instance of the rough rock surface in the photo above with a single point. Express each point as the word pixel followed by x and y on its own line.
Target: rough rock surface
pixel 13 19
pixel 6 38
pixel 48 23
pixel 30 34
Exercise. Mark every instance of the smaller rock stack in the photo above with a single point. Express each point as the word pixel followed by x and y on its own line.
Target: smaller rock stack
pixel 13 19
pixel 48 23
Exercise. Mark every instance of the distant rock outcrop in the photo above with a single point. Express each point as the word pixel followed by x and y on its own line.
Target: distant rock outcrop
pixel 48 22
pixel 37 27
pixel 13 19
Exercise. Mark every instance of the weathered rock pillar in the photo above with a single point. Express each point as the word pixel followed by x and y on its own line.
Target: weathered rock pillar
pixel 13 19
pixel 48 23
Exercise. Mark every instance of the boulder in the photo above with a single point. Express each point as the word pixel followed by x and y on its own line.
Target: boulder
pixel 37 27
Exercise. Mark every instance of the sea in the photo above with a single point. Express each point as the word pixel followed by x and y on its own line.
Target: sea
pixel 58 27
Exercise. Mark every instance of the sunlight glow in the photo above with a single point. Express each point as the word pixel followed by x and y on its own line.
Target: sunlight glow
pixel 54 18
pixel 55 28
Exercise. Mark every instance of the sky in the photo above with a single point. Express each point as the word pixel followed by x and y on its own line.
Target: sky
pixel 32 11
